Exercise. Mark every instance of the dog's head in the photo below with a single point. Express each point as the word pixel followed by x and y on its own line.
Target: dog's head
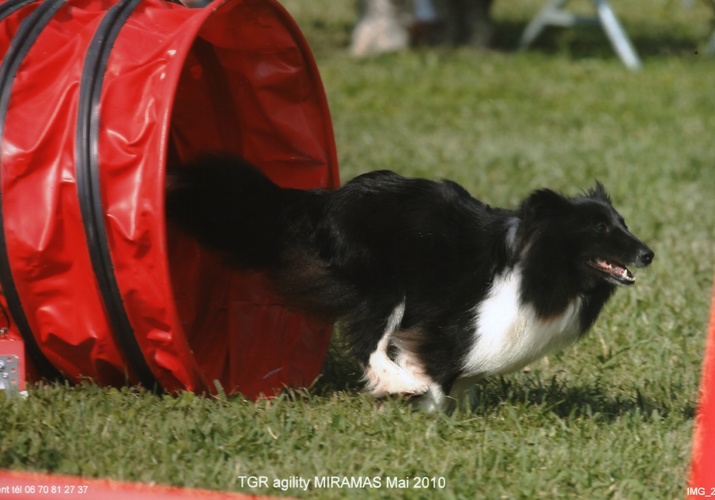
pixel 586 233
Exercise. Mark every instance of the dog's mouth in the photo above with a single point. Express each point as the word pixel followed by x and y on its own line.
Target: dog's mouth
pixel 617 272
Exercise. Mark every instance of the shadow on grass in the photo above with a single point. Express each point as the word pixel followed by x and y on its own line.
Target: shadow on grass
pixel 570 401
pixel 342 373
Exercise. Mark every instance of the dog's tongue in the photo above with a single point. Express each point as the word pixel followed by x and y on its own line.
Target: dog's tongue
pixel 621 273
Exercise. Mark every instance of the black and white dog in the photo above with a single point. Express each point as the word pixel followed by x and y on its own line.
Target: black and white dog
pixel 432 288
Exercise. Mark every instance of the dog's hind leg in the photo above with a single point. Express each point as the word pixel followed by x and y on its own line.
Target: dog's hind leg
pixel 383 376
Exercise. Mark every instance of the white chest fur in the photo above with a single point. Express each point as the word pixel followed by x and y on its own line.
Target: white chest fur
pixel 508 334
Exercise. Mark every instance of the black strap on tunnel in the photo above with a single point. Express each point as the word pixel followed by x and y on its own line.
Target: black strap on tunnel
pixel 22 41
pixel 11 6
pixel 89 187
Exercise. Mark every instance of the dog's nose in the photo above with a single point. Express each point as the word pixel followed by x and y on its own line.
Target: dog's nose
pixel 646 256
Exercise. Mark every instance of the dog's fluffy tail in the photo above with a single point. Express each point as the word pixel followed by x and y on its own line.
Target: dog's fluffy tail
pixel 229 205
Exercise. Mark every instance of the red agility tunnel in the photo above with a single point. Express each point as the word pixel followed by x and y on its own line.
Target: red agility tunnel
pixel 702 472
pixel 97 99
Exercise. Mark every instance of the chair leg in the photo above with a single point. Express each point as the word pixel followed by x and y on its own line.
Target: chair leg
pixel 542 19
pixel 711 45
pixel 617 35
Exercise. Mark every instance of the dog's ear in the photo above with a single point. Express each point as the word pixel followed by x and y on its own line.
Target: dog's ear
pixel 538 211
pixel 598 192
pixel 543 201
pixel 541 207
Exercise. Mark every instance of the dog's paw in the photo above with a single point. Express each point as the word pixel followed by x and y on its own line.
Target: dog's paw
pixel 408 387
pixel 394 381
pixel 433 401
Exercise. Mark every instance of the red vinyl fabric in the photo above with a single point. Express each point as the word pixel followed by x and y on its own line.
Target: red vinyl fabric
pixel 702 472
pixel 105 97
pixel 38 486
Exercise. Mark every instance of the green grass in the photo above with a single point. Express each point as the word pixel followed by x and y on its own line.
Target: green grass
pixel 611 417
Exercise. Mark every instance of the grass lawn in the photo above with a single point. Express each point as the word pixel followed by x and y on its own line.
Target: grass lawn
pixel 611 417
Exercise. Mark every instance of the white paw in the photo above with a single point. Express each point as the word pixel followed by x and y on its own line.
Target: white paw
pixel 388 379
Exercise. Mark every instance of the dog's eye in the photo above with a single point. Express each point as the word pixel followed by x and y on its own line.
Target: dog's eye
pixel 600 227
